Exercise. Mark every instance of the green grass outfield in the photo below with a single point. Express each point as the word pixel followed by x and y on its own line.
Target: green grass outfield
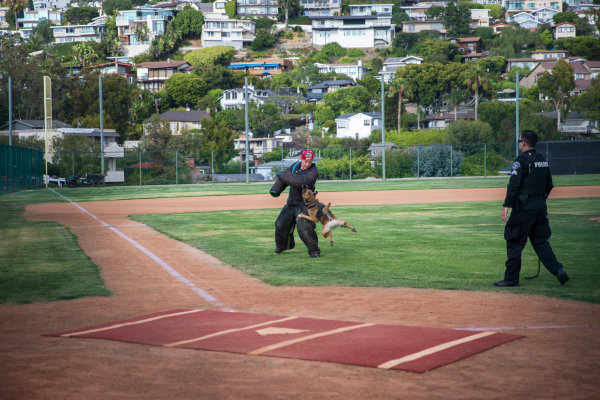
pixel 442 246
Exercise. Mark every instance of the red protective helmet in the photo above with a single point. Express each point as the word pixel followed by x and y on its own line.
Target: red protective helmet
pixel 307 155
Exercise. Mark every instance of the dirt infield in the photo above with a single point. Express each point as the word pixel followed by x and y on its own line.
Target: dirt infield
pixel 559 358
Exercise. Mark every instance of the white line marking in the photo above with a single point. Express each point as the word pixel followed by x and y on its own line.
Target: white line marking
pixel 506 328
pixel 432 350
pixel 228 331
pixel 305 338
pixel 206 296
pixel 106 328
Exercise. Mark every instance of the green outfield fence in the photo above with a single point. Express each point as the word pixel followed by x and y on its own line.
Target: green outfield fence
pixel 20 168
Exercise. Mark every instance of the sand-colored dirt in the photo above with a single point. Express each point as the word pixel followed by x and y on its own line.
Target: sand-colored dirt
pixel 559 358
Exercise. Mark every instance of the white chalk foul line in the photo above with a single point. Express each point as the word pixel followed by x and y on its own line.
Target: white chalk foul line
pixel 507 328
pixel 206 296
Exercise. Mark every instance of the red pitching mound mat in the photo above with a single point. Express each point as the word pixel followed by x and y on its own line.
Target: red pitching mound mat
pixel 407 348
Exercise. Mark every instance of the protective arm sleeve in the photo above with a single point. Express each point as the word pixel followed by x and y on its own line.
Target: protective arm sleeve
pixel 297 180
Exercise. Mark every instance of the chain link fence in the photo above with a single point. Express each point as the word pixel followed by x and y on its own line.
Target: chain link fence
pixel 135 167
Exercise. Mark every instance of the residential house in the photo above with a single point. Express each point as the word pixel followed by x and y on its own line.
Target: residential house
pixel 530 63
pixel 544 15
pixel 480 18
pixel 499 27
pixel 564 30
pixel 549 54
pixel 581 69
pixel 153 75
pixel 115 68
pixel 423 25
pixel 354 71
pixel 137 28
pixel 94 31
pixel 524 20
pixel 234 98
pixel 516 6
pixel 442 120
pixel 263 67
pixel 220 30
pixel 51 4
pixel 257 8
pixel 418 11
pixel 370 9
pixel 257 147
pixel 354 31
pixel 3 23
pixel 321 8
pixel 499 2
pixel 31 18
pixel 574 124
pixel 184 120
pixel 317 92
pixel 375 149
pixel 392 64
pixel 357 125
pixel 467 45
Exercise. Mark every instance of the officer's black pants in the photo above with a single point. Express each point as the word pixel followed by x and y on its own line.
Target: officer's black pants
pixel 284 230
pixel 530 220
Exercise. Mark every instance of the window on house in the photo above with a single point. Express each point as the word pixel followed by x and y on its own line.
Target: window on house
pixel 367 122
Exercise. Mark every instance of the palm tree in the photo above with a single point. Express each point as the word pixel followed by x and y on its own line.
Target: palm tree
pixel 286 4
pixel 404 91
pixel 455 98
pixel 477 81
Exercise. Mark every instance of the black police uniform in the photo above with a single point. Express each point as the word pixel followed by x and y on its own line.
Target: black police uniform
pixel 295 177
pixel 528 188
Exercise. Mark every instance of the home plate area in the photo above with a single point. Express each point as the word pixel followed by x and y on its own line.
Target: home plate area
pixel 406 348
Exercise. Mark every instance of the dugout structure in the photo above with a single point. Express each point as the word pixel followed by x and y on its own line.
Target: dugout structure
pixel 20 168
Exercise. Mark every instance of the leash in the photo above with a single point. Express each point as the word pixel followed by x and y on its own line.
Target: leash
pixel 536 275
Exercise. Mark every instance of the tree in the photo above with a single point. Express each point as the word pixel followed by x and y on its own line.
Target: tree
pixel 581 46
pixel 286 5
pixel 188 22
pixel 465 133
pixel 112 6
pixel 324 113
pixel 348 100
pixel 557 86
pixel 217 55
pixel 262 40
pixel 455 98
pixel 401 89
pixel 477 82
pixel 80 15
pixel 85 53
pixel 43 31
pixel 588 101
pixel 457 19
pixel 156 134
pixel 184 90
pixel 567 16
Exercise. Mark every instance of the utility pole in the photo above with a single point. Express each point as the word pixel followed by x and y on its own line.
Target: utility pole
pixel 246 127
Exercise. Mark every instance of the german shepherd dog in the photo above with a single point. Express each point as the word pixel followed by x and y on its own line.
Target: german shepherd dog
pixel 319 212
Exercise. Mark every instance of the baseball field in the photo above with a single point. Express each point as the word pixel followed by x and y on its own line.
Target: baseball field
pixel 425 255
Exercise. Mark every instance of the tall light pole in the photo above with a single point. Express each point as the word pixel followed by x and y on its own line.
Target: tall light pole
pixel 517 118
pixel 101 126
pixel 382 131
pixel 246 127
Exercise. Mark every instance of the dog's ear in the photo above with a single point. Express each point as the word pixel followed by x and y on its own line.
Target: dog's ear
pixel 305 186
pixel 316 192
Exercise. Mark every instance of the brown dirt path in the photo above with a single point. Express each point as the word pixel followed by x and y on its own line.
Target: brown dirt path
pixel 549 363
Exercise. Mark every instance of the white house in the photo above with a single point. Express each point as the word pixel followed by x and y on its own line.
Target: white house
pixel 152 75
pixel 417 11
pixel 390 66
pixel 220 30
pixel 524 20
pixel 321 8
pixel 354 71
pixel 357 125
pixel 545 15
pixel 354 31
pixel 234 98
pixel 480 18
pixel 564 30
pixel 370 9
pixel 94 31
pixel 257 8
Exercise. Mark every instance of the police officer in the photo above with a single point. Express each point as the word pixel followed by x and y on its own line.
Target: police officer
pixel 303 172
pixel 528 188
